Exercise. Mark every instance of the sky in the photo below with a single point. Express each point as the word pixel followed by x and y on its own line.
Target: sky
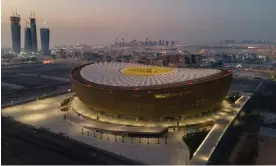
pixel 188 21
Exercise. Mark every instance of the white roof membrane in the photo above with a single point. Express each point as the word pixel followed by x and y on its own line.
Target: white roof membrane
pixel 110 74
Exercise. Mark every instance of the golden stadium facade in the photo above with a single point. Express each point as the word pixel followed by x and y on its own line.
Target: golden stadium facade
pixel 149 92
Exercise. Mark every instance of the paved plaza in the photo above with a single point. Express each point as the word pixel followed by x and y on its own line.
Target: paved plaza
pixel 163 150
pixel 46 113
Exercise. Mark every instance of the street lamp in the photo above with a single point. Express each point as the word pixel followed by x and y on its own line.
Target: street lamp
pixel 35 107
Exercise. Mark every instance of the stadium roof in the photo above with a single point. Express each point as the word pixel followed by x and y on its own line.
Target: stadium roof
pixel 131 75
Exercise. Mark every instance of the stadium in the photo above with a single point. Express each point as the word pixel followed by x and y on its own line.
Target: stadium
pixel 142 92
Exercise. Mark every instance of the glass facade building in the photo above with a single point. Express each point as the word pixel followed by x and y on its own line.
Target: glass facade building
pixel 33 34
pixel 16 34
pixel 45 40
pixel 28 40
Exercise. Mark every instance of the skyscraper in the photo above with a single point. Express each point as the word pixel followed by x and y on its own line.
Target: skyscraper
pixel 27 39
pixel 167 43
pixel 16 33
pixel 45 40
pixel 33 33
pixel 160 42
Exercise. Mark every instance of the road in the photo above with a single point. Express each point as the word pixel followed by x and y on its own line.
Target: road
pixel 205 150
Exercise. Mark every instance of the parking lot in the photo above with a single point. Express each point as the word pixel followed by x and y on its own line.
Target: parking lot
pixel 244 85
pixel 58 69
pixel 21 83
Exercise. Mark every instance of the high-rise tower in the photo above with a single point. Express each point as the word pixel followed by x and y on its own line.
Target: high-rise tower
pixel 167 43
pixel 33 32
pixel 147 42
pixel 45 40
pixel 116 42
pixel 27 38
pixel 16 33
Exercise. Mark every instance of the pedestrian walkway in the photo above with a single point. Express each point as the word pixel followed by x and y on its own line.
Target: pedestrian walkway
pixel 79 108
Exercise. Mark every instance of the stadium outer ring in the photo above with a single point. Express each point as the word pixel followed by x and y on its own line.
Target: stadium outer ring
pixel 187 98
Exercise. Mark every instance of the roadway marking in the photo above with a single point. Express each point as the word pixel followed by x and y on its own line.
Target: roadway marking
pixel 13 86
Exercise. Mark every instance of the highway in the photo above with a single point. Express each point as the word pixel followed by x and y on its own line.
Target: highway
pixel 205 150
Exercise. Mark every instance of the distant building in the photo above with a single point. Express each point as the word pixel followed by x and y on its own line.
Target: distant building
pixel 172 43
pixel 33 34
pixel 167 43
pixel 196 59
pixel 160 43
pixel 187 60
pixel 16 33
pixel 27 40
pixel 174 58
pixel 45 40
pixel 108 58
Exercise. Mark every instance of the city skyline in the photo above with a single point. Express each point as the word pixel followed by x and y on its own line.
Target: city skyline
pixel 191 22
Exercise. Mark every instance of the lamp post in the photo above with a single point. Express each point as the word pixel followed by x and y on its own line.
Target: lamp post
pixel 113 126
pixel 35 108
pixel 184 129
pixel 149 126
pixel 158 140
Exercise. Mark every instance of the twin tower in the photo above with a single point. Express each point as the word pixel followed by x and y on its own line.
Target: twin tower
pixel 30 39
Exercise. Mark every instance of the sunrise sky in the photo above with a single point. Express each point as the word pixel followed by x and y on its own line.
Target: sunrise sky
pixel 189 21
